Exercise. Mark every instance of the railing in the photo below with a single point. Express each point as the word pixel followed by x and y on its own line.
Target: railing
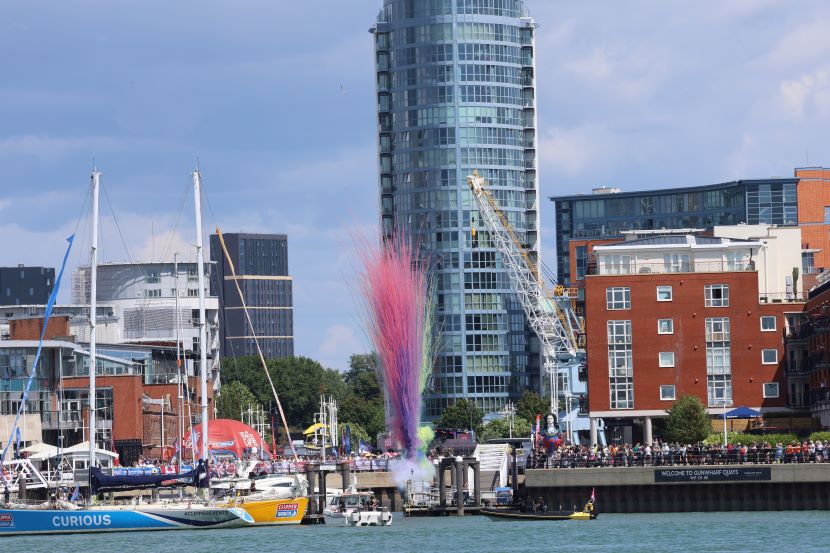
pixel 639 268
pixel 692 456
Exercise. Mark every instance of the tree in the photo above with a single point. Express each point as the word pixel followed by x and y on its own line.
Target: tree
pixel 233 398
pixel 463 414
pixel 687 421
pixel 530 405
pixel 299 381
pixel 362 378
pixel 500 428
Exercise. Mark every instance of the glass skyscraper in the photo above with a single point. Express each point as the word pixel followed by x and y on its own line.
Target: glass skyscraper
pixel 261 265
pixel 456 93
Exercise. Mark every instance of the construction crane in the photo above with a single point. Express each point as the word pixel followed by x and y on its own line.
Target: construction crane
pixel 551 316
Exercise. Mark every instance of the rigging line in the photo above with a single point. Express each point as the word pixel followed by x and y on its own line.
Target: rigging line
pixel 256 341
pixel 117 226
pixel 172 234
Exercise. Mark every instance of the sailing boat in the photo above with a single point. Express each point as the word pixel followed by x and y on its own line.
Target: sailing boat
pixel 73 519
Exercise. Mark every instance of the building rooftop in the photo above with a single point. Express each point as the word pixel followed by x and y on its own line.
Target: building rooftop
pixel 674 190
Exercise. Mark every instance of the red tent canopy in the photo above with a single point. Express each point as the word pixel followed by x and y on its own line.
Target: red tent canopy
pixel 228 436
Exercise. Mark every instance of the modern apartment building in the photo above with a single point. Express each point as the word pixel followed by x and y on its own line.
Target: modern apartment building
pixel 608 213
pixel 142 298
pixel 261 265
pixel 25 285
pixel 455 94
pixel 681 315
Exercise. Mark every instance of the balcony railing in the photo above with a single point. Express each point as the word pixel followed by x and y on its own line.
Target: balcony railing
pixel 633 267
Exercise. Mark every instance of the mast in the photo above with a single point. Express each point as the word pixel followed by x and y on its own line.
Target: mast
pixel 179 384
pixel 200 268
pixel 93 315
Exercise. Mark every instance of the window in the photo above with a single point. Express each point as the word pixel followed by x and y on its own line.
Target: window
pixel 717 295
pixel 665 326
pixel 826 216
pixel 769 356
pixel 153 277
pixel 676 263
pixel 664 293
pixel 617 298
pixel 768 323
pixel 620 365
pixel 771 390
pixel 667 359
pixel 719 387
pixel 667 392
pixel 153 293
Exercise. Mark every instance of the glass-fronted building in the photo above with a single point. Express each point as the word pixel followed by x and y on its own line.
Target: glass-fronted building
pixel 456 93
pixel 261 265
pixel 607 213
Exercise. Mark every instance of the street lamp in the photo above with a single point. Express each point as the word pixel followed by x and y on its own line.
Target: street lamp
pixel 725 435
pixel 509 411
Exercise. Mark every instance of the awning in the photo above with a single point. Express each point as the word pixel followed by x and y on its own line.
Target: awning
pixel 314 428
pixel 742 413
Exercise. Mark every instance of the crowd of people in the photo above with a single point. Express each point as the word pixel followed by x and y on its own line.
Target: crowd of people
pixel 674 454
pixel 279 464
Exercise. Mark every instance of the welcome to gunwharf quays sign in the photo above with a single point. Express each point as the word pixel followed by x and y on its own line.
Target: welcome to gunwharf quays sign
pixel 725 474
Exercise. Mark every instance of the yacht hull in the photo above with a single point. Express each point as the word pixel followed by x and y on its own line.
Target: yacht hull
pixel 15 522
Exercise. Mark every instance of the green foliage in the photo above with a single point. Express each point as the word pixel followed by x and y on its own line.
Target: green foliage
pixel 733 438
pixel 463 414
pixel 299 381
pixel 823 436
pixel 687 421
pixel 530 405
pixel 362 378
pixel 500 428
pixel 363 403
pixel 233 397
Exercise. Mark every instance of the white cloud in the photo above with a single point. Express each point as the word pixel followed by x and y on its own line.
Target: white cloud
pixel 337 343
pixel 803 45
pixel 572 150
pixel 807 94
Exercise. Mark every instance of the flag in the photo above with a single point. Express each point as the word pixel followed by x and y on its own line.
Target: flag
pixel 364 447
pixel 347 440
pixel 593 495
pixel 76 493
pixel 46 314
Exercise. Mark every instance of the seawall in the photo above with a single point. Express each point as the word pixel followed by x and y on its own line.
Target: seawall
pixel 685 488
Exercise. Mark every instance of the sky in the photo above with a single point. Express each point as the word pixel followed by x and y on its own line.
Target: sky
pixel 275 99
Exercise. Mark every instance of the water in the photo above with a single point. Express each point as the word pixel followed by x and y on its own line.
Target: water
pixel 756 532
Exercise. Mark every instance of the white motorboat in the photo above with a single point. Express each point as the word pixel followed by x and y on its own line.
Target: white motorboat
pixel 356 508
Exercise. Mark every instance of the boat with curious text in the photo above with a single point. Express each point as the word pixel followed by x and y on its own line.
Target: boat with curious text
pixel 15 522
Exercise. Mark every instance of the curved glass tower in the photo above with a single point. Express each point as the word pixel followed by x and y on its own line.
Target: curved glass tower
pixel 456 93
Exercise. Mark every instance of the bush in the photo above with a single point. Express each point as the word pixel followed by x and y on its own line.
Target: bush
pixel 746 439
pixel 823 436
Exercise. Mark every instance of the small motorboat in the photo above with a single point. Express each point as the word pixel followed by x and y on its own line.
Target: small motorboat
pixel 356 508
pixel 540 512
pixel 516 514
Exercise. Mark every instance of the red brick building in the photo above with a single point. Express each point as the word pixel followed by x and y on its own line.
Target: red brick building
pixel 813 193
pixel 808 345
pixel 668 316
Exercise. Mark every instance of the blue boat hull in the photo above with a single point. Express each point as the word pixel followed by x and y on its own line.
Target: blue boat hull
pixel 15 522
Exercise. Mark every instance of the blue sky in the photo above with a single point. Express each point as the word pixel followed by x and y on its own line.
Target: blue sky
pixel 276 99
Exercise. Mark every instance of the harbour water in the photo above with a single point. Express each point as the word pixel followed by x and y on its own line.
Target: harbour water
pixel 755 532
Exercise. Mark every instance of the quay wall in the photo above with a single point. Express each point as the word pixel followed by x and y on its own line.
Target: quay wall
pixel 685 488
